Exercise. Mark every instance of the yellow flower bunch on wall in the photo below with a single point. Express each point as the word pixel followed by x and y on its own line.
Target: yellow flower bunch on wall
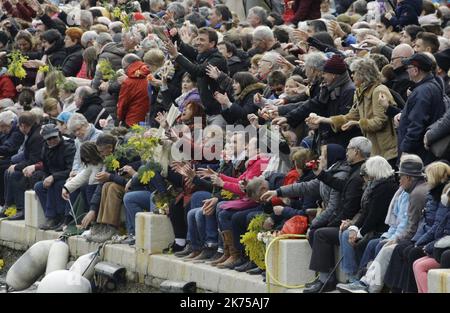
pixel 254 248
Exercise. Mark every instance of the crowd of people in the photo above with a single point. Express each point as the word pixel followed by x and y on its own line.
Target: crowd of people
pixel 336 111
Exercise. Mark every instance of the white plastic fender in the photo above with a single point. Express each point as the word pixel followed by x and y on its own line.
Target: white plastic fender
pixel 84 265
pixel 57 257
pixel 29 266
pixel 64 281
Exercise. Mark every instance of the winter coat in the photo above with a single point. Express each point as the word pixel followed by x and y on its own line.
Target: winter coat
pixel 439 129
pixel 404 217
pixel 374 210
pixel 114 53
pixel 85 177
pixel 32 148
pixel 93 110
pixel 72 63
pixel 7 88
pixel 20 10
pixel 315 188
pixel 236 64
pixel 374 123
pixel 54 23
pixel 57 161
pixel 133 102
pixel 11 142
pixel 254 168
pixel 406 13
pixel 243 105
pixel 432 215
pixel 56 54
pixel 305 10
pixel 338 105
pixel 91 136
pixel 351 193
pixel 425 105
pixel 206 85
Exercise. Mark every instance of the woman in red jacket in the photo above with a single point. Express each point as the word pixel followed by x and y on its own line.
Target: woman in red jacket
pixel 134 103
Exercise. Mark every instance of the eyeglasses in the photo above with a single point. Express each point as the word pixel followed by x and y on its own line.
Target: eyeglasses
pixel 395 58
pixel 51 138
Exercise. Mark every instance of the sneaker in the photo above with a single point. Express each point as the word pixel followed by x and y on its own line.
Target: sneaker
pixel 355 287
pixel 131 240
pixel 186 251
pixel 215 257
pixel 206 254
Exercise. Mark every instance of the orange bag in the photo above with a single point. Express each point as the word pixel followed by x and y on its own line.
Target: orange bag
pixel 297 225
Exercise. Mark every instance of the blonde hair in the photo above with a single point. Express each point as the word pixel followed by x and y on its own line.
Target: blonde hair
pixel 50 104
pixel 437 173
pixel 154 57
pixel 301 156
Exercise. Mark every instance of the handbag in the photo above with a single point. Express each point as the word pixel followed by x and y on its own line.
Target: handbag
pixel 441 148
pixel 297 225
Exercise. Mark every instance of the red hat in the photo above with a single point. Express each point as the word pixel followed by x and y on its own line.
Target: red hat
pixel 138 16
pixel 335 65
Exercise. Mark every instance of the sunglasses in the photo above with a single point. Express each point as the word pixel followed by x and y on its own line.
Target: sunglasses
pixel 51 138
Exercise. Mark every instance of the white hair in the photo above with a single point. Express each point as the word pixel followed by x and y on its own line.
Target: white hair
pixel 88 36
pixel 362 144
pixel 76 120
pixel 272 57
pixel 7 117
pixel 315 60
pixel 377 168
pixel 129 59
pixel 263 33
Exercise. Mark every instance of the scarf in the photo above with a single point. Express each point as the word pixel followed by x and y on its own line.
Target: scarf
pixel 333 91
pixel 202 57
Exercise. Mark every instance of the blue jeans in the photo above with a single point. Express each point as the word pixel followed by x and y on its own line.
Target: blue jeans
pixel 50 198
pixel 373 247
pixel 224 217
pixel 202 229
pixel 135 202
pixel 240 221
pixel 349 265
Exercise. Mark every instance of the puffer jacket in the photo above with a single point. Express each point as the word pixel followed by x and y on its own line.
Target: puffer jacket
pixel 433 214
pixel 11 142
pixel 133 102
pixel 92 109
pixel 57 161
pixel 315 188
pixel 72 63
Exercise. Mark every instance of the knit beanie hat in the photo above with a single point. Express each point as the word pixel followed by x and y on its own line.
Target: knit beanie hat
pixel 335 65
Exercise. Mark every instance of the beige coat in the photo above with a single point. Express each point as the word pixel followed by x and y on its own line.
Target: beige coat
pixel 374 123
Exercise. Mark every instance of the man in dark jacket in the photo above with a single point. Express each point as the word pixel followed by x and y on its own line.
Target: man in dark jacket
pixel 206 53
pixel 89 104
pixel 401 83
pixel 335 97
pixel 57 159
pixel 425 105
pixel 15 181
pixel 323 258
pixel 10 140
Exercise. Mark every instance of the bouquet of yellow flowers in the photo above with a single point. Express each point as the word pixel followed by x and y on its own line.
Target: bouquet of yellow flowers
pixel 111 163
pixel 254 248
pixel 15 68
pixel 108 73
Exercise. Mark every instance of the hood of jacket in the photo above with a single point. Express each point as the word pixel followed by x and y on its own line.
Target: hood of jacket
pixel 250 88
pixel 113 48
pixel 90 100
pixel 138 69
